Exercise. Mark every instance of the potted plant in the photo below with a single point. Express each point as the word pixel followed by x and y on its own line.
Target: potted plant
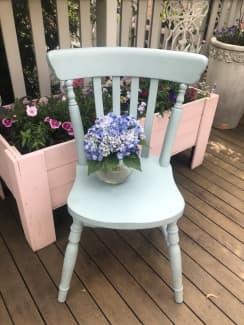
pixel 111 147
pixel 226 69
pixel 38 155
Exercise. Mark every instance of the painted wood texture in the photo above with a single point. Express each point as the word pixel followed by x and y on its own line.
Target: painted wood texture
pixel 38 34
pixel 11 48
pixel 40 181
pixel 140 274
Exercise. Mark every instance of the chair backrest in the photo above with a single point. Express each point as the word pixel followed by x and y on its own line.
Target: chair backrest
pixel 116 62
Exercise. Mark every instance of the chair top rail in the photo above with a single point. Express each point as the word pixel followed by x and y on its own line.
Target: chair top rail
pixel 124 61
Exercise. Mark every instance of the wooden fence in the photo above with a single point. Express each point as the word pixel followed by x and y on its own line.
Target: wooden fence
pixel 171 24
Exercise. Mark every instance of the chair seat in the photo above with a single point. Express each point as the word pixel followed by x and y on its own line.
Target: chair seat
pixel 147 199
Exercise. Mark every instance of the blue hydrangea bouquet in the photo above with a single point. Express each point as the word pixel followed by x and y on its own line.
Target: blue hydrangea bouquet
pixel 112 140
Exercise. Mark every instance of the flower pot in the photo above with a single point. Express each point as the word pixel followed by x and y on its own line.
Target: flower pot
pixel 115 176
pixel 226 69
pixel 41 180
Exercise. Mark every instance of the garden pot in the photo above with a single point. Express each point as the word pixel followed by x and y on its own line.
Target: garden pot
pixel 226 69
pixel 41 180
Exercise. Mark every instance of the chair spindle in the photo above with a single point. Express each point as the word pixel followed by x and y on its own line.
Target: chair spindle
pixel 76 121
pixel 134 96
pixel 167 147
pixel 97 86
pixel 149 115
pixel 116 94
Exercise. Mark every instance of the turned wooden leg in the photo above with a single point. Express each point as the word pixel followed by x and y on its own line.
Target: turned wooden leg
pixel 175 261
pixel 165 233
pixel 69 259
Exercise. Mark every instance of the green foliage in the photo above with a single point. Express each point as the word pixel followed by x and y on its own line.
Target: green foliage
pixel 231 35
pixel 29 133
pixel 94 166
pixel 133 161
pixel 111 163
pixel 234 34
pixel 34 137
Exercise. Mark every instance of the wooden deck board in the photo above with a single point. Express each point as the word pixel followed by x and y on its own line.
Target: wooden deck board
pixel 34 275
pixel 124 277
pixel 144 307
pixel 81 303
pixel 4 313
pixel 158 290
pixel 14 292
pixel 211 198
pixel 194 299
pixel 223 255
pixel 209 227
pixel 202 279
pixel 102 290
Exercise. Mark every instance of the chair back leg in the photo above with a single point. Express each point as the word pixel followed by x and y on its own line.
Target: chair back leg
pixel 70 259
pixel 175 261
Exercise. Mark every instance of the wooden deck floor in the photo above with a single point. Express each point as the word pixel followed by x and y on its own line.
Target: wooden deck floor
pixel 124 277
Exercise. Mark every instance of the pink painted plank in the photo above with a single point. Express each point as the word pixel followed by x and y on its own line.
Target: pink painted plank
pixel 61 175
pixel 204 130
pixel 192 109
pixel 186 134
pixel 4 169
pixel 10 161
pixel 63 152
pixel 158 133
pixel 33 198
pixel 59 195
pixel 186 143
pixel 15 152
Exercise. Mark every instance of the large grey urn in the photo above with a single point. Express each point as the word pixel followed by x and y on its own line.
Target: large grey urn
pixel 226 69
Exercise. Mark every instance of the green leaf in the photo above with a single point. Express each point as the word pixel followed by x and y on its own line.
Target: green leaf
pixel 133 161
pixel 110 162
pixel 93 166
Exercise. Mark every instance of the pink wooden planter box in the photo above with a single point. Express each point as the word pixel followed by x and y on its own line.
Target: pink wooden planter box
pixel 40 181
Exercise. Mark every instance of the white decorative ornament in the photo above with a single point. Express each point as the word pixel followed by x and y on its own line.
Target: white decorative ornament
pixel 182 22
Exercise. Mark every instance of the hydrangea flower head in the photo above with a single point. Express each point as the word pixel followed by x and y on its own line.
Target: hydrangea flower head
pixel 113 134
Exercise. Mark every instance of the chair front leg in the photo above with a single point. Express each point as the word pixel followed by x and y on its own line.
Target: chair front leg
pixel 175 261
pixel 70 259
pixel 165 233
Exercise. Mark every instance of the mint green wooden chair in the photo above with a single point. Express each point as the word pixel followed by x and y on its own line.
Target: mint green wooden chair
pixel 149 198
